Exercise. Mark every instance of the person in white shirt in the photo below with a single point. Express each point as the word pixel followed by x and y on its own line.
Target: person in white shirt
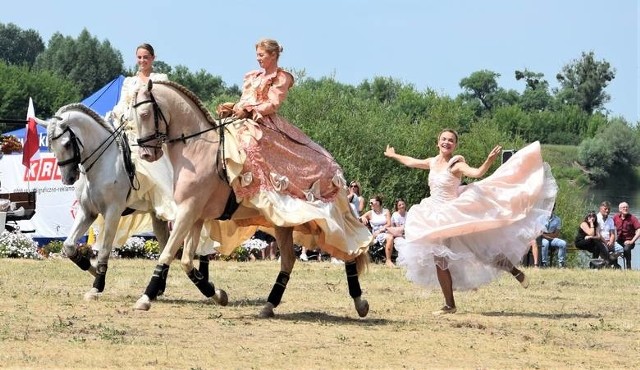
pixel 607 230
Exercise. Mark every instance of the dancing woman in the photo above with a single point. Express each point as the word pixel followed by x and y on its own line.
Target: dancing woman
pixel 463 237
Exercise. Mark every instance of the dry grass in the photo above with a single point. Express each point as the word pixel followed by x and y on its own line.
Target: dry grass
pixel 566 319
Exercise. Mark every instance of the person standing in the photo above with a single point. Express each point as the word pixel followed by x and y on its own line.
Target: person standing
pixel 463 237
pixel 628 230
pixel 356 200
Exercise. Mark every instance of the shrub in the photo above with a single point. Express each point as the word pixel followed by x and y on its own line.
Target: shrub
pixel 152 249
pixel 133 248
pixel 18 245
pixel 54 246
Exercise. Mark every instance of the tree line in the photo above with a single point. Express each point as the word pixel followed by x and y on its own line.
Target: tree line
pixel 355 123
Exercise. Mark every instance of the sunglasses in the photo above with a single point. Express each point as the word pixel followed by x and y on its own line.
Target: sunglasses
pixel 353 186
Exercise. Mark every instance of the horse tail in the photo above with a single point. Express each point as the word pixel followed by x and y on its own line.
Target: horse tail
pixel 362 263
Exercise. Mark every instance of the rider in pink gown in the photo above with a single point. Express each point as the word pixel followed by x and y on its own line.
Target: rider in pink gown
pixel 277 169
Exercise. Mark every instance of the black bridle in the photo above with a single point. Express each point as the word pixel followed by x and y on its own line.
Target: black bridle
pixel 93 157
pixel 158 138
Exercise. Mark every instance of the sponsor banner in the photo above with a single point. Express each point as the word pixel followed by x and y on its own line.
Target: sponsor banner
pixel 56 203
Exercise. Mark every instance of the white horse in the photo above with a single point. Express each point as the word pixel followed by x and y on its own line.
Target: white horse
pixel 195 146
pixel 96 157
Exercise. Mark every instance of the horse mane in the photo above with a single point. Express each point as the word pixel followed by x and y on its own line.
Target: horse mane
pixel 88 111
pixel 191 96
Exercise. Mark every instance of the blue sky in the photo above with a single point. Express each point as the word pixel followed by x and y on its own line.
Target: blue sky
pixel 430 44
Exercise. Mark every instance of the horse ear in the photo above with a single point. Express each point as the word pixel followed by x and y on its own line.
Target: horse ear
pixel 41 122
pixel 149 85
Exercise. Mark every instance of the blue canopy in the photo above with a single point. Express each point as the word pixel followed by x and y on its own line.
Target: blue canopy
pixel 100 101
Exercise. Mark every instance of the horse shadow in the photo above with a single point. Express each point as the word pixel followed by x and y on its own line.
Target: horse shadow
pixel 305 316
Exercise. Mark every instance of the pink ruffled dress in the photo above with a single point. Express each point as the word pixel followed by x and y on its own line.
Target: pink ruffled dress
pixel 471 229
pixel 275 168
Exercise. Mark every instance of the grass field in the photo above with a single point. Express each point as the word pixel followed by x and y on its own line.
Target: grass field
pixel 570 318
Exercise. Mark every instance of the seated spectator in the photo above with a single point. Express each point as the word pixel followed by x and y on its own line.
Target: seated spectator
pixel 378 219
pixel 304 257
pixel 398 219
pixel 549 238
pixel 356 201
pixel 628 231
pixel 271 247
pixel 589 239
pixel 534 247
pixel 607 231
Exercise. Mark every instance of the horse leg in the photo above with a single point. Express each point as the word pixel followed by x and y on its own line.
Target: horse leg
pixel 203 284
pixel 182 225
pixel 111 219
pixel 362 306
pixel 161 231
pixel 79 228
pixel 284 237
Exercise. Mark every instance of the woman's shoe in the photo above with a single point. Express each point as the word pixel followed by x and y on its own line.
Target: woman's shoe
pixel 444 310
pixel 523 279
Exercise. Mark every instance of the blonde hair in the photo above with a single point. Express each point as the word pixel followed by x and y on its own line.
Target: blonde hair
pixel 270 46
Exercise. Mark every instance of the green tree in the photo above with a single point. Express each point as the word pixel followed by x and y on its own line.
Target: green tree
pixel 536 96
pixel 202 83
pixel 583 83
pixel 85 61
pixel 613 153
pixel 49 92
pixel 19 46
pixel 481 86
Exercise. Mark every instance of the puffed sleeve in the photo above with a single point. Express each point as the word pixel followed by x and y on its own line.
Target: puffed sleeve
pixel 159 77
pixel 126 94
pixel 276 94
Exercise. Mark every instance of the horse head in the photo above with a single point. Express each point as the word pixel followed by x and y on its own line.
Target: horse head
pixel 73 139
pixel 65 146
pixel 151 122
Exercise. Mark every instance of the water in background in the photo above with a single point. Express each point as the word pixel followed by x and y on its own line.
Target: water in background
pixel 615 196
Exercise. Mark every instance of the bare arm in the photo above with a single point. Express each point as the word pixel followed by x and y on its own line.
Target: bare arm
pixel 422 164
pixel 590 230
pixel 463 169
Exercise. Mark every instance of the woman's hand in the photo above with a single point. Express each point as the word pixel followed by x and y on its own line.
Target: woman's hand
pixel 390 151
pixel 494 153
pixel 240 113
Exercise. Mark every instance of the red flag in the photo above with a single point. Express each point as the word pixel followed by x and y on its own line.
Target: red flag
pixel 31 146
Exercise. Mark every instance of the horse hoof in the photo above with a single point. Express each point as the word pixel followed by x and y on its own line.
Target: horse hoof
pixel 143 303
pixel 267 311
pixel 221 297
pixel 92 295
pixel 362 306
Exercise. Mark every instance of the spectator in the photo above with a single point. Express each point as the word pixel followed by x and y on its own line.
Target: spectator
pixel 534 245
pixel 379 219
pixel 398 218
pixel 271 246
pixel 549 238
pixel 628 230
pixel 607 231
pixel 588 238
pixel 356 201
